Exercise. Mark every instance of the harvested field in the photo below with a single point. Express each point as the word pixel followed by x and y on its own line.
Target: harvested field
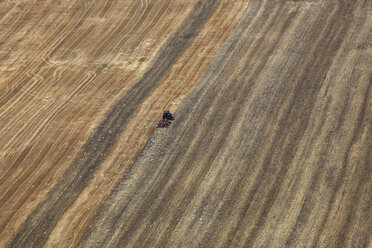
pixel 271 146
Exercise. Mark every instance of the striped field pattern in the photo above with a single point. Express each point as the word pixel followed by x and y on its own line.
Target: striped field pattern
pixel 271 146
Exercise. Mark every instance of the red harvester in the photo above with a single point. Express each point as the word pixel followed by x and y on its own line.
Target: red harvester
pixel 167 117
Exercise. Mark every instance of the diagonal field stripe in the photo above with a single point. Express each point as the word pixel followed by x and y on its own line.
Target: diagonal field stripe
pixel 40 223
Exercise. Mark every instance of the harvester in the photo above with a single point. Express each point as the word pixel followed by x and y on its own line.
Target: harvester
pixel 167 117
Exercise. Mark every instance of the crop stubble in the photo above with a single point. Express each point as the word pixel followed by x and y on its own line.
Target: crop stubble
pixel 260 152
pixel 270 148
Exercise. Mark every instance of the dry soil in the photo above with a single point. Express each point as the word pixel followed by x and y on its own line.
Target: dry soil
pixel 271 146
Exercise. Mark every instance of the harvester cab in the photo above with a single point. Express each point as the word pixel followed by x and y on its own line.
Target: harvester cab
pixel 167 115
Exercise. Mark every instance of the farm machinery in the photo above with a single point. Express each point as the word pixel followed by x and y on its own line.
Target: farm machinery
pixel 167 117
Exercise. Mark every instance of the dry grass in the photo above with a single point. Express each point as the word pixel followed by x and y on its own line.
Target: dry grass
pixel 270 147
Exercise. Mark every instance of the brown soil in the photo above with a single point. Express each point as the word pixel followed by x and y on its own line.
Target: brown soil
pixel 270 147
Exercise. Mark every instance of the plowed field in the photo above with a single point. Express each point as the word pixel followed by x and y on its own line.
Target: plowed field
pixel 271 145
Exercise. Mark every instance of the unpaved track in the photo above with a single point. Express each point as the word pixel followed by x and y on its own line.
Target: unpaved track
pixel 270 148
